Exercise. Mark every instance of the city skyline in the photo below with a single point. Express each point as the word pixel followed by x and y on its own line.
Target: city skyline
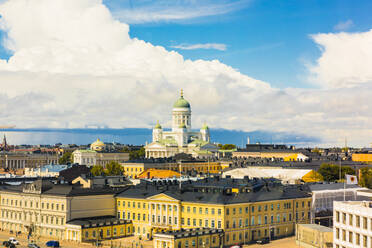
pixel 244 65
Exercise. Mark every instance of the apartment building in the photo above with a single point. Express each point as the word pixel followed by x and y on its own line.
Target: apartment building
pixel 352 224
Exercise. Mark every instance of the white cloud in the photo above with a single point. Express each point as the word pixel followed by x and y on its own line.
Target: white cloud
pixel 176 11
pixel 73 64
pixel 346 59
pixel 342 26
pixel 216 46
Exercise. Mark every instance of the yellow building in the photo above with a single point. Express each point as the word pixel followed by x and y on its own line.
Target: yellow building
pixel 314 236
pixel 198 237
pixel 362 157
pixel 246 210
pixel 133 169
pixel 44 208
pixel 98 228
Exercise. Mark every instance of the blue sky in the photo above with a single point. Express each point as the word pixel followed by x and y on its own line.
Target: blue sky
pixel 266 39
pixel 77 63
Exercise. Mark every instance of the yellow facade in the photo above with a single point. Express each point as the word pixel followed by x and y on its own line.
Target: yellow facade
pixel 241 223
pixel 133 170
pixel 99 231
pixel 362 157
pixel 314 236
pixel 190 238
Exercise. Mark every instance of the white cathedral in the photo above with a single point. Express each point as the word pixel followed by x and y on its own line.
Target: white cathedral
pixel 180 139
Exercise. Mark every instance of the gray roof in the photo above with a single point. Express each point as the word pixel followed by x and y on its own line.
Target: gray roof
pixel 219 191
pixel 98 221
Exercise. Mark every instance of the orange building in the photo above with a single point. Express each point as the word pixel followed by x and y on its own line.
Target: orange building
pixel 362 157
pixel 154 173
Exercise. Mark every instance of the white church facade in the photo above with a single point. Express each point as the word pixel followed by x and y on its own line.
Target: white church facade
pixel 181 139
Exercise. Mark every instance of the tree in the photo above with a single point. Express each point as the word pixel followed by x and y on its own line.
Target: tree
pixel 228 147
pixel 137 154
pixel 113 169
pixel 97 170
pixel 366 177
pixel 66 158
pixel 331 172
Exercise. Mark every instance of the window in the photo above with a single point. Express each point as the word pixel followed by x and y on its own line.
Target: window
pixel 285 217
pixel 343 235
pixel 200 222
pixel 108 232
pixel 144 217
pixel 240 210
pixel 227 211
pixel 206 210
pixel 86 234
pixel 350 237
pixel 194 222
pixel 212 211
pixel 234 211
pixel 188 209
pixel 365 222
pixel 138 216
pixel 219 225
pixel 357 221
pixel 265 219
pixel 364 241
pixel 182 221
pixel 290 217
pixel 357 238
pixel 272 219
pixel 188 221
pixel 118 214
pixel 212 224
pixel 278 206
pixel 272 206
pixel 252 220
pixel 252 209
pixel 133 216
pixel 303 204
pixel 296 204
pixel 265 207
pixel 219 211
pixel 350 219
pixel 259 220
pixel 169 220
pixel 206 223
pixel 227 224
pixel 259 208
pixel 182 209
pixel 278 218
pixel 175 220
pixel 240 222
pixel 94 234
pixel 194 210
pixel 337 233
pixel 164 219
pixel 344 218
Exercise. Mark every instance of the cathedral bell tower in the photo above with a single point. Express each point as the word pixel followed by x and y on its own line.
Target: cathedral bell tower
pixel 181 114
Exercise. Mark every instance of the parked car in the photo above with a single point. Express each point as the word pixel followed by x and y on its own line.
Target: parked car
pixel 52 243
pixel 13 241
pixel 263 241
pixel 8 244
pixel 32 245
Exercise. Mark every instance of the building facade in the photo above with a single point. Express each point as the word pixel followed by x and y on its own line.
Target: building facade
pixel 91 157
pixel 43 208
pixel 181 139
pixel 198 237
pixel 134 169
pixel 14 161
pixel 352 224
pixel 314 236
pixel 245 210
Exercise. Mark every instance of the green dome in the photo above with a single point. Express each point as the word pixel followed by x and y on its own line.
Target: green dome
pixel 181 102
pixel 157 126
pixel 205 127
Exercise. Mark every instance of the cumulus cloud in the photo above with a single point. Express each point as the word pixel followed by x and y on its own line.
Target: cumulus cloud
pixel 176 11
pixel 73 65
pixel 216 46
pixel 342 26
pixel 345 61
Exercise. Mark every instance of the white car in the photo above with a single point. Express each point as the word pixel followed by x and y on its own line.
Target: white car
pixel 13 241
